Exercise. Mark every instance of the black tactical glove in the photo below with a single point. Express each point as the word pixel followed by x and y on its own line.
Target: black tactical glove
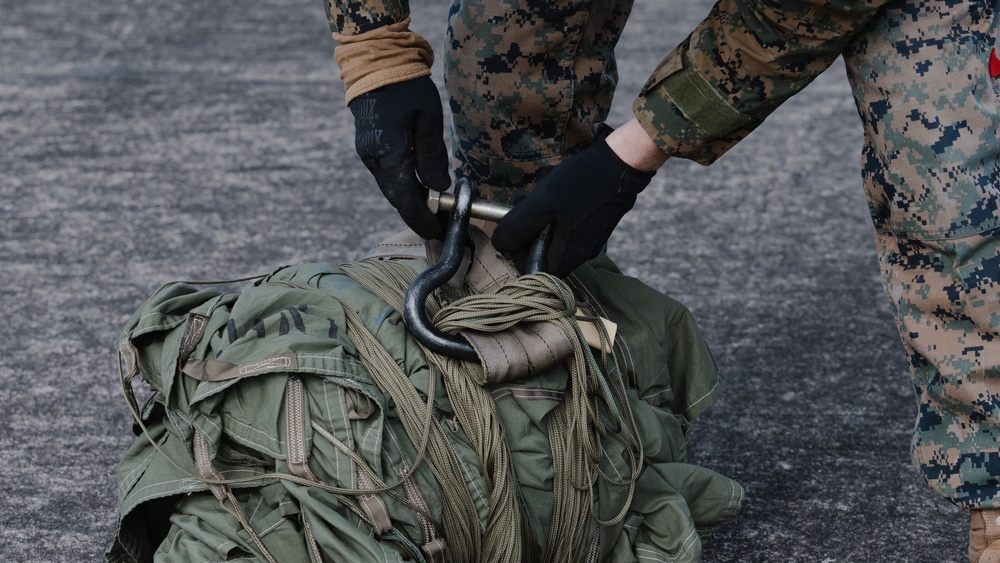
pixel 399 134
pixel 583 199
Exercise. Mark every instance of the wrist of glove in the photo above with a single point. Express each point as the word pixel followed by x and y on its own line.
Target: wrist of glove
pixel 583 198
pixel 399 135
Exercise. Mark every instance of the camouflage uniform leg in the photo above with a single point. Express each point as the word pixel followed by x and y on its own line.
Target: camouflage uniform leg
pixel 931 162
pixel 945 298
pixel 528 82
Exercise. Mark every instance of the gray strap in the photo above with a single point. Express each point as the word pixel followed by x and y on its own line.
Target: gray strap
pixel 128 353
pixel 373 505
pixel 193 334
pixel 435 550
pixel 521 352
pixel 352 410
pixel 296 449
pixel 203 461
pixel 433 546
pixel 488 269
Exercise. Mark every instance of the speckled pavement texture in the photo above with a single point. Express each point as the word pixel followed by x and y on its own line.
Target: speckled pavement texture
pixel 145 142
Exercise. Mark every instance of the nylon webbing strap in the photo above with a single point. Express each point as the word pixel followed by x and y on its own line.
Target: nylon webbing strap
pixel 520 352
pixel 216 370
pixel 433 546
pixel 193 333
pixel 128 354
pixel 203 461
pixel 523 350
pixel 296 450
pixel 373 505
pixel 404 244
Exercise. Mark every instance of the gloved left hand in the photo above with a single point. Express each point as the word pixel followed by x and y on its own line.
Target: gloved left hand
pixel 399 135
pixel 583 198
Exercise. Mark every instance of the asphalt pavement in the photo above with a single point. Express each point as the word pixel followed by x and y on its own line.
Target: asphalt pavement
pixel 143 142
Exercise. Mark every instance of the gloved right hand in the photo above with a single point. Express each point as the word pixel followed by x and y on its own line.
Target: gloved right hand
pixel 583 199
pixel 399 135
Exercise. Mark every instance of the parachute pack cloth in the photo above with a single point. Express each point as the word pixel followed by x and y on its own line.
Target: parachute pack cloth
pixel 298 420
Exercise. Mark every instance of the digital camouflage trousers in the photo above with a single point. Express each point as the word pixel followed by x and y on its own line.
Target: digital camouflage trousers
pixel 529 81
pixel 921 80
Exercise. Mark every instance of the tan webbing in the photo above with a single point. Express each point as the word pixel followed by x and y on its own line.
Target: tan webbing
pixel 520 352
pixel 216 370
pixel 296 449
pixel 505 356
pixel 203 461
pixel 433 546
pixel 373 505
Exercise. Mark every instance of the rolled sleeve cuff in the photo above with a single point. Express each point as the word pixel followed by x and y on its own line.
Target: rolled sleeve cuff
pixel 380 57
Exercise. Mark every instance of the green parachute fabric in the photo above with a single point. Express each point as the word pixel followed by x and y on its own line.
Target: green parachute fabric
pixel 299 420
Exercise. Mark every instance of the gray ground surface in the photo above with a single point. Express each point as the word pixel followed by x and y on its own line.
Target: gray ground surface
pixel 144 142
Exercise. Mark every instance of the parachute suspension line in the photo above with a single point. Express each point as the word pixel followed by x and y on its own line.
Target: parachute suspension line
pixel 576 426
pixel 503 538
pixel 460 516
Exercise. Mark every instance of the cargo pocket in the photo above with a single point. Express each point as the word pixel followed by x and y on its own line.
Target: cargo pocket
pixel 930 161
pixel 977 269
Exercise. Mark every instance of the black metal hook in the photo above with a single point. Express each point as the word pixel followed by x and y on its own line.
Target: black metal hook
pixel 414 310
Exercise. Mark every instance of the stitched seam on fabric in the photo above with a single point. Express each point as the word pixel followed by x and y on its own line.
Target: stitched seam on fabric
pixel 193 484
pixel 336 456
pixel 613 466
pixel 703 397
pixel 265 364
pixel 260 501
pixel 686 546
pixel 128 482
pixel 238 422
pixel 247 442
pixel 368 434
pixel 548 347
pixel 392 436
pixel 621 343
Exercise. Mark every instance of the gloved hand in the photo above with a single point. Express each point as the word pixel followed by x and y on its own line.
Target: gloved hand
pixel 399 135
pixel 583 198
